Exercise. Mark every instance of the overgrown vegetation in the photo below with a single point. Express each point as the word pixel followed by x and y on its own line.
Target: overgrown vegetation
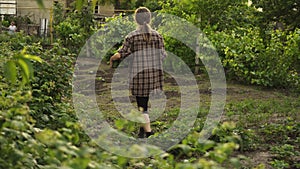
pixel 39 127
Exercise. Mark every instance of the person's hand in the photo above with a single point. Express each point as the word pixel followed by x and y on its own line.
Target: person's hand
pixel 116 56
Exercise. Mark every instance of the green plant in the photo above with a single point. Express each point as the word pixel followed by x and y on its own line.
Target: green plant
pixel 22 61
pixel 283 133
pixel 217 151
pixel 58 13
pixel 18 146
pixel 73 31
pixel 51 87
pixel 182 51
pixel 287 17
pixel 27 142
pixel 279 164
pixel 5 23
pixel 285 152
pixel 247 58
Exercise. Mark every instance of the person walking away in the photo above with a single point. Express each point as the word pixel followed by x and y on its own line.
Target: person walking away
pixel 146 47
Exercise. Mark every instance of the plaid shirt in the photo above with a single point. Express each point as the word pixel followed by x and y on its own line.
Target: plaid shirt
pixel 146 70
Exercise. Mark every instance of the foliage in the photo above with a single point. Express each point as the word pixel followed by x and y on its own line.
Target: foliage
pixel 19 20
pixel 205 12
pixel 72 31
pixel 58 13
pixel 14 61
pixel 248 59
pixel 249 54
pixel 16 125
pixel 23 145
pixel 181 50
pixel 238 15
pixel 151 5
pixel 285 156
pixel 280 11
pixel 40 3
pixel 26 140
pixel 52 86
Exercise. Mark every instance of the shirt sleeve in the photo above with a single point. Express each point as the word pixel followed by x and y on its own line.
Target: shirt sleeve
pixel 125 49
pixel 163 50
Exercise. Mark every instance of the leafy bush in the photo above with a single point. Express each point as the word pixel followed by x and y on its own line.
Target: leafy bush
pixel 249 54
pixel 17 147
pixel 26 138
pixel 15 42
pixel 51 85
pixel 5 23
pixel 24 145
pixel 247 58
pixel 181 50
pixel 51 88
pixel 73 31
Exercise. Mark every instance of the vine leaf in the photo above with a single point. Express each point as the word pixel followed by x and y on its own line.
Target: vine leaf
pixel 22 61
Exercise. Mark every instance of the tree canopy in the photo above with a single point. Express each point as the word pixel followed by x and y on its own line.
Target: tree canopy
pixel 284 11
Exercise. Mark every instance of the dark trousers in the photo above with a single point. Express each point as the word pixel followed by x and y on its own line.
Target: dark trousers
pixel 142 102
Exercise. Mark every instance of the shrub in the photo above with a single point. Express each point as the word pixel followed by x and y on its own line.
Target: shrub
pixel 73 31
pixel 247 58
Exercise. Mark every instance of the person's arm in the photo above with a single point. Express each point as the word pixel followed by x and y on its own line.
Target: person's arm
pixel 116 56
pixel 162 47
pixel 122 52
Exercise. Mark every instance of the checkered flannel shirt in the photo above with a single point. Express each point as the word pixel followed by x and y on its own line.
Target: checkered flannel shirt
pixel 146 71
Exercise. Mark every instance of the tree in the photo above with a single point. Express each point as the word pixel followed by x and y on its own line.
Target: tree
pixel 202 12
pixel 280 11
pixel 153 5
